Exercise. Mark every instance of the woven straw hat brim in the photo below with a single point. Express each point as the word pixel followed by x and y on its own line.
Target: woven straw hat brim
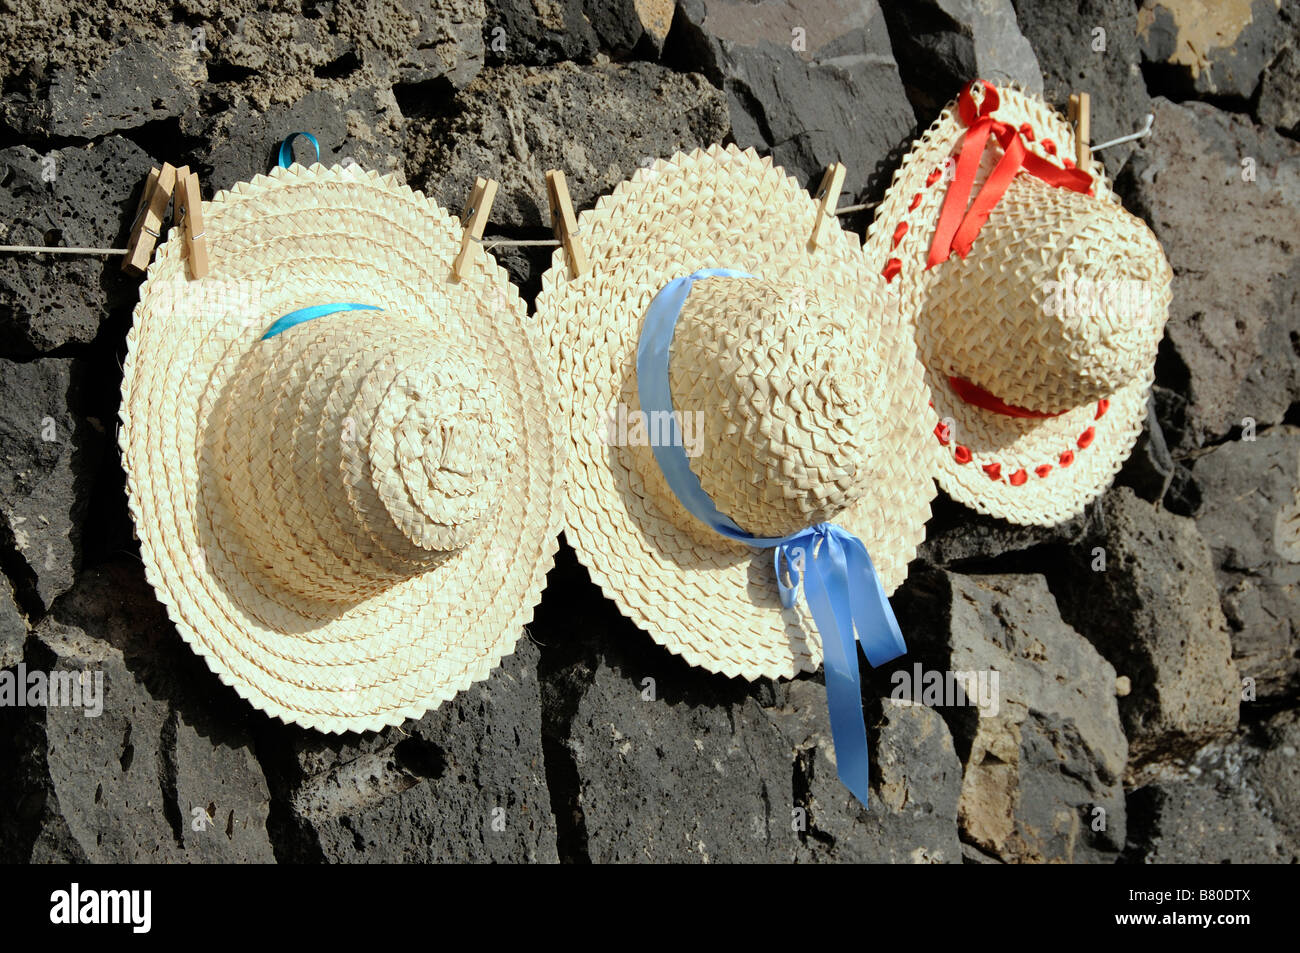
pixel 300 237
pixel 1027 471
pixel 713 602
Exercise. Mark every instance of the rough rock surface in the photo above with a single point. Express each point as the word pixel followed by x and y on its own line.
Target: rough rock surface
pixel 50 451
pixel 13 626
pixel 1235 315
pixel 942 44
pixel 1044 754
pixel 517 122
pixel 1218 49
pixel 75 197
pixel 1143 592
pixel 1251 520
pixel 812 82
pixel 630 727
pixel 1091 46
pixel 1232 803
pixel 465 783
pixel 165 771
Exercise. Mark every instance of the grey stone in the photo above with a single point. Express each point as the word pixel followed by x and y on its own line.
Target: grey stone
pixel 597 123
pixel 78 197
pixel 1064 36
pixel 1211 49
pixel 1251 520
pixel 1279 95
pixel 625 25
pixel 465 783
pixel 1275 774
pixel 358 125
pixel 50 451
pixel 957 537
pixel 652 760
pixel 1236 289
pixel 838 99
pixel 13 626
pixel 538 32
pixel 1044 755
pixel 1231 803
pixel 943 44
pixel 164 772
pixel 916 782
pixel 1143 592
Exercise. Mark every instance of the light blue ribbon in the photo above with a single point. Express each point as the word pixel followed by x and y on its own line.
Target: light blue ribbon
pixel 286 148
pixel 843 591
pixel 315 311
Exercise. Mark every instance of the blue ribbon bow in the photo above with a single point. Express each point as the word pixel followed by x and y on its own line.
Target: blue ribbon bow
pixel 840 583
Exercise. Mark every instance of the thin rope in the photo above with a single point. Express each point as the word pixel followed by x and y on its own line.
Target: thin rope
pixel 487 243
pixel 42 249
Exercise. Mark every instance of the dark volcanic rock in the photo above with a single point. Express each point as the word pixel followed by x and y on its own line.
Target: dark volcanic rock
pixel 1143 592
pixel 1043 750
pixel 916 783
pixel 1232 803
pixel 652 760
pixel 74 197
pixel 13 626
pixel 50 452
pixel 143 81
pixel 538 32
pixel 625 25
pixel 1076 57
pixel 237 143
pixel 165 771
pixel 464 783
pixel 1210 49
pixel 1235 315
pixel 598 124
pixel 812 82
pixel 943 44
pixel 1251 519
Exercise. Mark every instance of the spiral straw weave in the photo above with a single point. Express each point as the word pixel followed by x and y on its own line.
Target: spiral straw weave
pixel 996 320
pixel 351 520
pixel 808 387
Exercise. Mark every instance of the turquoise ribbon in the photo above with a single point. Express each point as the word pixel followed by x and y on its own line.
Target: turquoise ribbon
pixel 286 148
pixel 315 311
pixel 844 592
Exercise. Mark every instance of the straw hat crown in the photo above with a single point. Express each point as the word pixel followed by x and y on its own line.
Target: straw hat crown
pixel 1081 287
pixel 399 441
pixel 785 412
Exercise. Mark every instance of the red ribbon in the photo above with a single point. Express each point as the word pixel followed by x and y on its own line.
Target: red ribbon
pixel 974 394
pixel 958 225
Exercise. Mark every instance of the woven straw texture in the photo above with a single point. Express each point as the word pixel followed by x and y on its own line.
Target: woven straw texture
pixel 807 387
pixel 1059 306
pixel 352 520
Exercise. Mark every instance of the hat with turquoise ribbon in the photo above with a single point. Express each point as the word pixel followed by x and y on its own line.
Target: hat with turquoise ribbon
pixel 344 464
pixel 747 476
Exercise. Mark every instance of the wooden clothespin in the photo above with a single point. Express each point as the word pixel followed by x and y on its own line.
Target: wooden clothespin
pixel 149 217
pixel 564 222
pixel 189 215
pixel 1080 114
pixel 828 196
pixel 474 218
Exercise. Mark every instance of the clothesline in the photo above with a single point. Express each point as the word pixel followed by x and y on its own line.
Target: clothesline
pixel 487 242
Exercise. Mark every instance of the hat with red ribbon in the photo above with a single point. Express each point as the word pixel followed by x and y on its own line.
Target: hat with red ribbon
pixel 1038 303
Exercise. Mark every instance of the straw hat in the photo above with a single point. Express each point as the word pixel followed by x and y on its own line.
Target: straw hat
pixel 798 387
pixel 1039 343
pixel 349 517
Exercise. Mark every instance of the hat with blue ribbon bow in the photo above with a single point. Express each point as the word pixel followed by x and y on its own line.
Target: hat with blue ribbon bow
pixel 746 480
pixel 345 468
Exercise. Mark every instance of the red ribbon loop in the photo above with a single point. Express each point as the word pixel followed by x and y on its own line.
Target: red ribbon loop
pixel 974 394
pixel 959 225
